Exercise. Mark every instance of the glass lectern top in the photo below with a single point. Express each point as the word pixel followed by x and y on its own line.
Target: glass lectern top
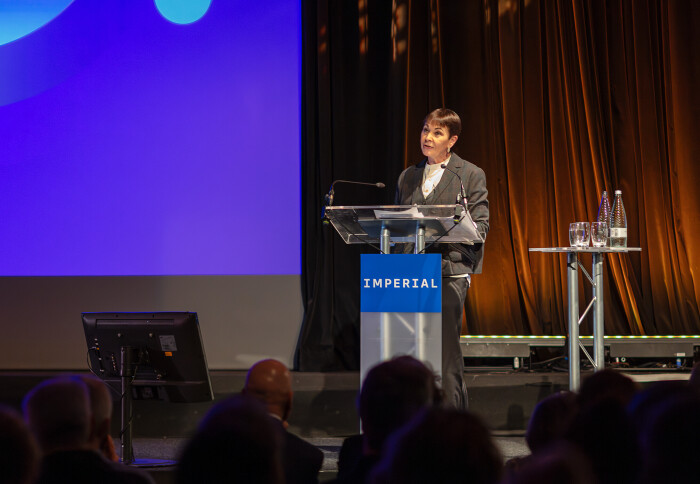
pixel 364 224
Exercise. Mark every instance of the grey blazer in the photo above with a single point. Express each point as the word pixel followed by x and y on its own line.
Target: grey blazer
pixel 456 258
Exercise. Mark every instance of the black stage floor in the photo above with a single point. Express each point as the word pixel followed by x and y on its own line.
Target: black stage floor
pixel 168 449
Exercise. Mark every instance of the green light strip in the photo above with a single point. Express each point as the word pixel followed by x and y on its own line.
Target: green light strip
pixel 483 336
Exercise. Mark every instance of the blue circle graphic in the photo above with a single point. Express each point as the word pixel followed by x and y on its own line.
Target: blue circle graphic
pixel 20 17
pixel 183 11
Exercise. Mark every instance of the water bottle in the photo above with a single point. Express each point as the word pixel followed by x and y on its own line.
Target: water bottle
pixel 604 211
pixel 618 222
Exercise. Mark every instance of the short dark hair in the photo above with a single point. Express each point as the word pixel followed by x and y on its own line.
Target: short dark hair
pixel 550 420
pixel 607 384
pixel 447 119
pixel 19 453
pixel 441 445
pixel 58 413
pixel 237 441
pixel 392 393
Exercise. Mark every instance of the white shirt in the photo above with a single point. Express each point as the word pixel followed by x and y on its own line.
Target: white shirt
pixel 432 175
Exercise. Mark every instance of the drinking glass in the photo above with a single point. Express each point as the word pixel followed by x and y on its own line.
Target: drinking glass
pixel 584 234
pixel 572 234
pixel 599 234
pixel 579 234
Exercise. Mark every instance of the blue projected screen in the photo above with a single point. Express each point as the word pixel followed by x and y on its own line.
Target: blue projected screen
pixel 149 137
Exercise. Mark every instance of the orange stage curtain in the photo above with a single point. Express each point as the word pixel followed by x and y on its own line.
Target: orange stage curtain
pixel 562 100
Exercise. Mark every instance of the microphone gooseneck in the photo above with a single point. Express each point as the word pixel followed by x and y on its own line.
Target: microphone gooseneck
pixel 378 185
pixel 328 199
pixel 461 201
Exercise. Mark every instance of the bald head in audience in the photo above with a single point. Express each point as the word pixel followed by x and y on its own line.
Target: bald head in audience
pixel 101 408
pixel 270 382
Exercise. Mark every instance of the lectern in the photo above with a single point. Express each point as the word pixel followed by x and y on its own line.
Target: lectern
pixel 401 298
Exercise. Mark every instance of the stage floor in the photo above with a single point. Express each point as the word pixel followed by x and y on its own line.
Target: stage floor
pixel 324 403
pixel 169 448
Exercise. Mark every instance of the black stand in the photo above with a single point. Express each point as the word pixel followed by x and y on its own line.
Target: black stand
pixel 127 372
pixel 127 375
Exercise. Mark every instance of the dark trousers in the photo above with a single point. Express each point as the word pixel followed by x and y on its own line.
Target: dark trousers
pixel 454 292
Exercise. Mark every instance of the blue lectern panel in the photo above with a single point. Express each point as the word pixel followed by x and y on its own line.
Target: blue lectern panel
pixel 401 283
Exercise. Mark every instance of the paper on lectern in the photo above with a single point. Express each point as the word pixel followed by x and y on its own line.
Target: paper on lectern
pixel 411 213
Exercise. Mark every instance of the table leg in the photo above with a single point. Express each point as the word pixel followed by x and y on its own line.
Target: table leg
pixel 574 355
pixel 598 312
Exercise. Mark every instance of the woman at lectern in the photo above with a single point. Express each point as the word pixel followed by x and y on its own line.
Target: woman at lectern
pixel 437 180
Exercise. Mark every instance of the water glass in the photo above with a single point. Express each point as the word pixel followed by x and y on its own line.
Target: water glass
pixel 599 234
pixel 579 234
pixel 572 235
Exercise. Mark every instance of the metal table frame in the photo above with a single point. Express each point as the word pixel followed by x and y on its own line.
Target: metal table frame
pixel 597 304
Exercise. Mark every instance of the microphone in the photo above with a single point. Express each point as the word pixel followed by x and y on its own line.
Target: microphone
pixel 461 196
pixel 328 199
pixel 331 192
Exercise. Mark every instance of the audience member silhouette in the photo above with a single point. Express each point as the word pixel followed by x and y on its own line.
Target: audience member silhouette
pixel 607 384
pixel 606 435
pixel 560 463
pixel 59 415
pixel 440 446
pixel 19 454
pixel 236 441
pixel 550 420
pixel 695 376
pixel 549 424
pixel 270 382
pixel 101 407
pixel 668 446
pixel 392 393
pixel 646 403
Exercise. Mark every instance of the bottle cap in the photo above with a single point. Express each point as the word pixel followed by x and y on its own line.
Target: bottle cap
pixel 618 192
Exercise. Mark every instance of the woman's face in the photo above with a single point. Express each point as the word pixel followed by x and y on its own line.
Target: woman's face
pixel 435 141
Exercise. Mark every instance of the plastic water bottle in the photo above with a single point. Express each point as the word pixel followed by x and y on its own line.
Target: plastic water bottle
pixel 604 210
pixel 618 222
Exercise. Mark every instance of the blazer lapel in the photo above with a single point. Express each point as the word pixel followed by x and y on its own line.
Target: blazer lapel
pixel 447 178
pixel 414 184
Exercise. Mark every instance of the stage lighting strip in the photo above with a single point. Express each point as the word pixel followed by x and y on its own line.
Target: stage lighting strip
pixel 560 340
